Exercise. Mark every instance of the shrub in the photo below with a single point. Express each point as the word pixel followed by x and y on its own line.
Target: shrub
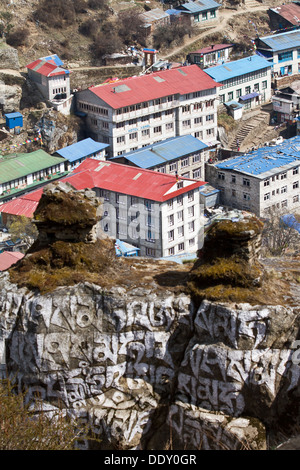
pixel 22 429
pixel 17 37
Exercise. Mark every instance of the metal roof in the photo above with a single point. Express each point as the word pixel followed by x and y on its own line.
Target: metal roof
pixel 8 258
pixel 212 48
pixel 249 96
pixel 162 152
pixel 13 115
pixel 266 161
pixel 153 15
pixel 180 80
pixel 290 12
pixel 198 6
pixel 281 41
pixel 15 166
pixel 53 59
pixel 81 149
pixel 125 179
pixel 46 68
pixel 223 72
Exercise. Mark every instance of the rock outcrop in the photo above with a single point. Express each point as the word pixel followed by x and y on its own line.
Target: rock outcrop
pixel 150 366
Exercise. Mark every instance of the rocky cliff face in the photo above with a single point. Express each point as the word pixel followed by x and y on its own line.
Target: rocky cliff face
pixel 150 366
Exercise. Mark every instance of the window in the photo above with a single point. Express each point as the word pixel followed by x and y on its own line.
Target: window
pixel 145 118
pixel 171 219
pixel 199 135
pixel 284 203
pixel 283 176
pixel 238 93
pixel 157 116
pixel 150 236
pixel 186 123
pixel 180 216
pixel 210 117
pixel 233 178
pixel 296 184
pixel 120 125
pixel 148 205
pixel 210 132
pixel 191 211
pixel 133 136
pixel 296 171
pixel 198 120
pixel 181 247
pixel 197 173
pixel 157 130
pixel 180 231
pixel 186 109
pixel 180 200
pixel 190 196
pixel 169 126
pixel 185 162
pixel 266 196
pixel 196 158
pixel 233 193
pixel 247 90
pixel 104 194
pixel 132 122
pixel 222 98
pixel 150 252
pixel 173 166
pixel 246 182
pixel 121 140
pixel 170 204
pixel 256 87
pixel 145 132
pixel 171 235
pixel 134 201
pixel 191 226
pixel 168 112
pixel 296 198
pixel 284 56
pixel 266 182
pixel 171 251
pixel 264 84
pixel 246 196
pixel 283 189
pixel 221 176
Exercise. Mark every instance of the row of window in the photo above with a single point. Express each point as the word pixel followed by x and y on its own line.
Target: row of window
pixel 243 78
pixel 94 109
pixel 282 190
pixel 246 181
pixel 180 247
pixel 180 231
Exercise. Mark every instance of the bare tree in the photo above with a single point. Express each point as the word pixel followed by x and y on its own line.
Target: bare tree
pixel 279 233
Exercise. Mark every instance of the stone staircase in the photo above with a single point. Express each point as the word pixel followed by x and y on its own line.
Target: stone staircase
pixel 248 128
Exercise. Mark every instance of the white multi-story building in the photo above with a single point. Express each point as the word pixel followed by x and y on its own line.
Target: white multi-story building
pixel 138 111
pixel 246 80
pixel 158 213
pixel 268 178
pixel 53 82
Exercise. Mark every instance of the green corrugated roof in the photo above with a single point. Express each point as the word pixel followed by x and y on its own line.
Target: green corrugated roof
pixel 22 164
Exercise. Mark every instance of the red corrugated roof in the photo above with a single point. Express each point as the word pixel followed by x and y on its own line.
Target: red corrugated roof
pixel 129 180
pixel 8 258
pixel 216 47
pixel 23 205
pixel 45 68
pixel 181 80
pixel 290 12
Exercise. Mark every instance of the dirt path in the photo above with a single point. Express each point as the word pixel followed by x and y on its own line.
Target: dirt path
pixel 224 17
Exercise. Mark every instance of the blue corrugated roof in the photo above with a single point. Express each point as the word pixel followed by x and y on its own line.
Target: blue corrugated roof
pixel 203 5
pixel 223 72
pixel 282 41
pixel 53 58
pixel 81 149
pixel 13 115
pixel 265 159
pixel 167 150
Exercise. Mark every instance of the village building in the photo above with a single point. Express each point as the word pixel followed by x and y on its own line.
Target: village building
pixel 283 52
pixel 154 18
pixel 132 113
pixel 52 81
pixel 204 11
pixel 74 154
pixel 24 171
pixel 9 258
pixel 285 16
pixel 267 178
pixel 211 55
pixel 246 80
pixel 286 103
pixel 184 156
